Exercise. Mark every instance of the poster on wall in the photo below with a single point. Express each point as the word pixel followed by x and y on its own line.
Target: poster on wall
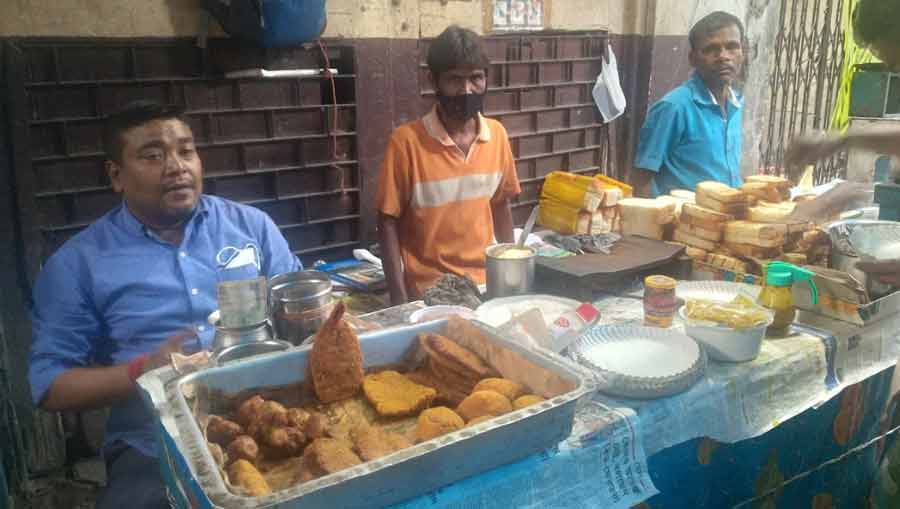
pixel 518 15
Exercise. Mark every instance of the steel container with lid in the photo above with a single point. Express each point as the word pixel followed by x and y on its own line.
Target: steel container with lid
pixel 226 337
pixel 300 303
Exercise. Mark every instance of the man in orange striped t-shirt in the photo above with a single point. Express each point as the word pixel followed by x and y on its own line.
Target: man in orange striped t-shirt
pixel 444 189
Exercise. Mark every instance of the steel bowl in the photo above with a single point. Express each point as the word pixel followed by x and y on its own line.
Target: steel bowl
pixel 242 351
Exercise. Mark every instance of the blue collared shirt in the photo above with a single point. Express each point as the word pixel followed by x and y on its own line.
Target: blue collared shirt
pixel 686 139
pixel 116 291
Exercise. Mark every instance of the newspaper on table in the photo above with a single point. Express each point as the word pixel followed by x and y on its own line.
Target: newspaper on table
pixel 602 464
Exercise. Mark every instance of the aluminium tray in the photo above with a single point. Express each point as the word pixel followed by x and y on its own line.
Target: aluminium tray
pixel 189 469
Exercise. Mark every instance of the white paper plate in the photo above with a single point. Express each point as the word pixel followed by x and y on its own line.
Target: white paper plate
pixel 640 362
pixel 440 312
pixel 719 291
pixel 496 312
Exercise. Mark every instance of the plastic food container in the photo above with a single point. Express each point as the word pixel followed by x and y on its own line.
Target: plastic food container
pixel 724 343
pixel 434 313
pixel 191 473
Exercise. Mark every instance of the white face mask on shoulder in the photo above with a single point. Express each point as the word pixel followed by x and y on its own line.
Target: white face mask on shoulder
pixel 608 95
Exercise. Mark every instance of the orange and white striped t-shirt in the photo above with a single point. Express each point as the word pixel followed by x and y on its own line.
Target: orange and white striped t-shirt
pixel 442 197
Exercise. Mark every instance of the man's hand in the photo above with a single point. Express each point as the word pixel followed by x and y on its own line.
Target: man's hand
pixel 162 356
pixel 96 387
pixel 389 238
pixel 887 272
pixel 830 204
pixel 809 148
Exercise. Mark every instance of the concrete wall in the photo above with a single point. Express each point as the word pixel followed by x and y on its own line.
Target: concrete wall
pixel 346 18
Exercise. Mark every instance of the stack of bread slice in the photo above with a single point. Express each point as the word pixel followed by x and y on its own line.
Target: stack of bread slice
pixel 779 186
pixel 577 204
pixel 700 229
pixel 646 217
pixel 722 198
pixel 755 240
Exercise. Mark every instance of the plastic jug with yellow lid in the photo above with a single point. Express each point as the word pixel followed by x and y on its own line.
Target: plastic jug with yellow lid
pixel 777 295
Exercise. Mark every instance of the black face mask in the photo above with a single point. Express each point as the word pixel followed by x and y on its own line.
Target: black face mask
pixel 461 107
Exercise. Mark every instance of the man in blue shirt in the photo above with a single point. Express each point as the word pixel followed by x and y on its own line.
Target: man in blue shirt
pixel 118 298
pixel 693 134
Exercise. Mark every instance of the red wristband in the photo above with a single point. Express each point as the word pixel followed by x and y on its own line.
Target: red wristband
pixel 136 367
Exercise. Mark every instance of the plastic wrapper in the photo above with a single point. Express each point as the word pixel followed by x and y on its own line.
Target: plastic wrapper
pixel 740 313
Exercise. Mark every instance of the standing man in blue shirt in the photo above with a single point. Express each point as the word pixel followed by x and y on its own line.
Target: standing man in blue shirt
pixel 693 134
pixel 121 296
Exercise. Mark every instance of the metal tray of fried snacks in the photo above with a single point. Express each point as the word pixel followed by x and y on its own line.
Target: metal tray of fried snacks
pixel 191 471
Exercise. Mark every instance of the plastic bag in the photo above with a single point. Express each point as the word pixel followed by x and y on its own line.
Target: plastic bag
pixel 608 93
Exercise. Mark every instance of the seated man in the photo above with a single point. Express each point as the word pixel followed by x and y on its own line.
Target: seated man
pixel 693 134
pixel 118 298
pixel 447 179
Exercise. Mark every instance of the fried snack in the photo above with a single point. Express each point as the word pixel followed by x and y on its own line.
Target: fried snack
pixel 285 441
pixel 249 409
pixel 316 426
pixel 437 421
pixel 394 395
pixel 222 431
pixel 297 417
pixel 331 455
pixel 479 420
pixel 270 414
pixel 447 353
pixel 451 378
pixel 242 473
pixel 506 387
pixel 526 400
pixel 243 448
pixel 372 442
pixel 447 393
pixel 336 362
pixel 484 403
pixel 215 450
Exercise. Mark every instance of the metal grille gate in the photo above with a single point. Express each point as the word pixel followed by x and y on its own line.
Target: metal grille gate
pixel 805 78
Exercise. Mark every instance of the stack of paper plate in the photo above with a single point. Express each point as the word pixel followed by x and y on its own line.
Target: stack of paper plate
pixel 719 291
pixel 640 362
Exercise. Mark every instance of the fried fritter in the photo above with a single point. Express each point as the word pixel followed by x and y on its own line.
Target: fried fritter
pixel 243 448
pixel 526 400
pixel 331 455
pixel 222 431
pixel 271 414
pixel 448 354
pixel 394 395
pixel 297 417
pixel 437 421
pixel 316 426
pixel 242 473
pixel 249 409
pixel 478 420
pixel 447 393
pixel 506 387
pixel 336 362
pixel 285 441
pixel 484 403
pixel 372 442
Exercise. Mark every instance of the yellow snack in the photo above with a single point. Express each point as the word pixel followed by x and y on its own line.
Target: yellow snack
pixel 479 420
pixel 508 388
pixel 394 395
pixel 242 473
pixel 527 400
pixel 437 421
pixel 484 403
pixel 741 313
